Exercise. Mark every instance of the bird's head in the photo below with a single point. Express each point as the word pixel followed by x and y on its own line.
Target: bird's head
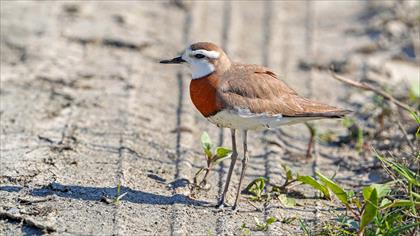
pixel 204 58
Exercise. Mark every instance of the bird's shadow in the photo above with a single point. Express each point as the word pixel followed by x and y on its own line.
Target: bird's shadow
pixel 98 193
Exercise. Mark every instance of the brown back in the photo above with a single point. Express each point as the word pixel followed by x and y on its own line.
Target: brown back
pixel 258 89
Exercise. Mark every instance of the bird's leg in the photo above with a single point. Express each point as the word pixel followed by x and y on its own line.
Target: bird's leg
pixel 244 161
pixel 232 165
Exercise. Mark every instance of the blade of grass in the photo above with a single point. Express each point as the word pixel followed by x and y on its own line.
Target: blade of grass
pixel 408 174
pixel 403 228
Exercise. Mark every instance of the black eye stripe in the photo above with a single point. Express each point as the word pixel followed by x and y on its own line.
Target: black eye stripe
pixel 199 56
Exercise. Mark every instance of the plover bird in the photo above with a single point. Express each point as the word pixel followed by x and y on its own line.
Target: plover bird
pixel 244 97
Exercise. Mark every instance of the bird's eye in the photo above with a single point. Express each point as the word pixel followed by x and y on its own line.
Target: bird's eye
pixel 199 56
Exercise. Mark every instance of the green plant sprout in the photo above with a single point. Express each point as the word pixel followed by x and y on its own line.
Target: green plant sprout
pixel 213 156
pixel 259 226
pixel 328 136
pixel 373 204
pixel 245 231
pixel 257 189
pixel 119 196
pixel 116 199
pixel 263 226
pixel 417 119
pixel 375 210
pixel 355 132
pixel 302 179
pixel 304 227
pixel 414 92
pixel 342 226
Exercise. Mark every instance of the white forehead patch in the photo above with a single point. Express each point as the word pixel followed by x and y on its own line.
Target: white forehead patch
pixel 209 54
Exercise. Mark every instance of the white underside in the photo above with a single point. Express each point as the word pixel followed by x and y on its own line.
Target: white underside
pixel 243 119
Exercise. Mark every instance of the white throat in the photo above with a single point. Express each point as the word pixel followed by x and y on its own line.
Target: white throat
pixel 200 67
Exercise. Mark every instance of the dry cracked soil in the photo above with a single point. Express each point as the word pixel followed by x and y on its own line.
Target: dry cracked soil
pixel 85 105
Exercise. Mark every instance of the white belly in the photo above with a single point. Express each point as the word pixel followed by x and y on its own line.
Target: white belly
pixel 243 119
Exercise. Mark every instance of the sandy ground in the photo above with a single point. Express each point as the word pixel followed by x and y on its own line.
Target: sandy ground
pixel 85 105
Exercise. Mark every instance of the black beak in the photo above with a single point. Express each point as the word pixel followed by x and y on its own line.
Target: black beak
pixel 176 60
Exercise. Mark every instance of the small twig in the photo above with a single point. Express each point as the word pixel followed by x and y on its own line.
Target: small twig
pixel 286 184
pixel 289 183
pixel 45 139
pixel 357 216
pixel 27 220
pixel 252 204
pixel 31 201
pixel 369 87
pixel 406 136
pixel 204 180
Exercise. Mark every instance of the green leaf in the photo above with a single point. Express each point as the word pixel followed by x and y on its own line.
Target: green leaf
pixel 335 188
pixel 262 185
pixel 417 118
pixel 245 230
pixel 352 199
pixel 351 193
pixel 289 174
pixel 315 184
pixel 367 191
pixel 221 154
pixel 254 198
pixel 257 221
pixel 348 222
pixel 347 122
pixel 356 201
pixel 206 144
pixel 271 220
pixel 414 92
pixel 382 190
pixel 386 203
pixel 286 201
pixel 371 206
pixel 260 226
pixel 256 188
pixel 223 151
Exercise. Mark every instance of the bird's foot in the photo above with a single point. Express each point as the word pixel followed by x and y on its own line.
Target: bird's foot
pixel 221 205
pixel 235 208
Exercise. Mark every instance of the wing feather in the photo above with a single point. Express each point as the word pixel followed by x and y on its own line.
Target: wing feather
pixel 259 90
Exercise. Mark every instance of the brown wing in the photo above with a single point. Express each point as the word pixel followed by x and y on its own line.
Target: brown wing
pixel 258 89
